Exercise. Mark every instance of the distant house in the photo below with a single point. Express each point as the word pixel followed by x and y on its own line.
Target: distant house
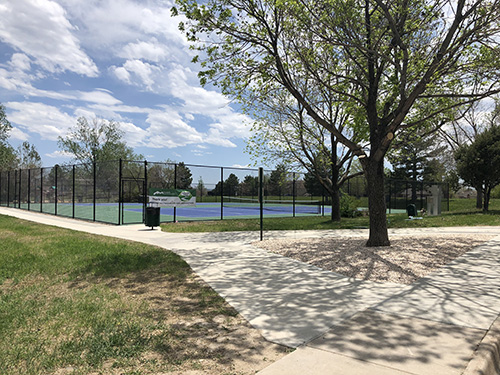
pixel 466 193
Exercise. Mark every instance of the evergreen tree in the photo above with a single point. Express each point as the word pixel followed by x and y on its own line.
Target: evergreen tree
pixel 478 164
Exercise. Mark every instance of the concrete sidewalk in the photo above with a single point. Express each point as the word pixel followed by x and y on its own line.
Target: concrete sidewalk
pixel 342 325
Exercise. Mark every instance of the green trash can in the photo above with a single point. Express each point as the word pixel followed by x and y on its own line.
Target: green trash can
pixel 411 210
pixel 152 218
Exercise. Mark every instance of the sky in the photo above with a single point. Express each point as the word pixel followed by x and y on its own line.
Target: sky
pixel 120 60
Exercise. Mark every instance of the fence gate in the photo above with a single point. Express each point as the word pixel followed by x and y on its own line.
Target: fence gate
pixel 133 200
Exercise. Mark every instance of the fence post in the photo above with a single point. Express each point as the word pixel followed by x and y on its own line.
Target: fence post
pixel 293 193
pixel 175 187
pixel 390 196
pixel 222 193
pixel 8 189
pixel 19 191
pixel 41 189
pixel 16 189
pixel 261 201
pixel 448 200
pixel 95 189
pixel 73 194
pixel 55 190
pixel 120 193
pixel 145 191
pixel 29 189
pixel 422 195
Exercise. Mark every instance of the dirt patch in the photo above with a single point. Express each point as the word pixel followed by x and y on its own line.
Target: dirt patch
pixel 205 334
pixel 406 260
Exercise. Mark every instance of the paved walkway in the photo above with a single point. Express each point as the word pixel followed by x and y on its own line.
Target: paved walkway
pixel 342 325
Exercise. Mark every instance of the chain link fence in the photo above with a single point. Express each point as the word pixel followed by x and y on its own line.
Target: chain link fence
pixel 116 192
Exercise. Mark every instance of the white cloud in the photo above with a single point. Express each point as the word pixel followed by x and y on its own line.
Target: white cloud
pixel 138 72
pixel 20 62
pixel 134 136
pixel 97 96
pixel 151 51
pixel 121 73
pixel 18 134
pixel 42 119
pixel 40 29
pixel 106 24
pixel 59 154
pixel 167 129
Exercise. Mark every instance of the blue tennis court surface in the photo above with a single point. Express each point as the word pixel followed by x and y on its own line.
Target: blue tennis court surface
pixel 213 211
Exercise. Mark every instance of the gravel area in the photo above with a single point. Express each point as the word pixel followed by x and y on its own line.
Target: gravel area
pixel 406 260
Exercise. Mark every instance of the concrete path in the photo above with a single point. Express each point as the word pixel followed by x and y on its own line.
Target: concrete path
pixel 342 325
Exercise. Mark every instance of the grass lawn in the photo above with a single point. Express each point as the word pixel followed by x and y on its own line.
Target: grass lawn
pixel 75 303
pixel 462 213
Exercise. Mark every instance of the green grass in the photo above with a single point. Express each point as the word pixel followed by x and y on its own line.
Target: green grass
pixel 80 303
pixel 462 213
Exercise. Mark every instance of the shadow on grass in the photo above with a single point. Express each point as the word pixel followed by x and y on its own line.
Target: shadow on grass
pixel 110 265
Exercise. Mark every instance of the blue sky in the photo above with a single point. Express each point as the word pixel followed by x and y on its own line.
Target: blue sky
pixel 120 60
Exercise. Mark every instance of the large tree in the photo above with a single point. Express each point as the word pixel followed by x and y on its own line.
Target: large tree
pixel 463 131
pixel 97 140
pixel 283 132
pixel 395 65
pixel 414 158
pixel 479 163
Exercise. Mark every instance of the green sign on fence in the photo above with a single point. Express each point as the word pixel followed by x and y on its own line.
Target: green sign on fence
pixel 172 197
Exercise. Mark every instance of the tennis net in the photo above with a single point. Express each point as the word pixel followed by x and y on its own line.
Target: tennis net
pixel 276 205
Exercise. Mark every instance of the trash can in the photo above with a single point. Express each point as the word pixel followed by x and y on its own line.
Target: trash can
pixel 411 210
pixel 152 218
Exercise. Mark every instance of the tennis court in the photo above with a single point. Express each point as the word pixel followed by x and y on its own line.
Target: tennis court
pixel 239 209
pixel 132 213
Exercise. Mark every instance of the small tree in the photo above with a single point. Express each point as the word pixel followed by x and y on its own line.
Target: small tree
pixel 8 157
pixel 277 181
pixel 249 186
pixel 231 185
pixel 479 163
pixel 184 177
pixel 29 157
pixel 99 140
pixel 201 189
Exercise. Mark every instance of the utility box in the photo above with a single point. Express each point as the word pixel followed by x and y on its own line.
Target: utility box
pixel 152 217
pixel 434 201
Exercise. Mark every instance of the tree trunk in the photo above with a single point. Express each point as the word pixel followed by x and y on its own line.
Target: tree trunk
pixel 376 202
pixel 479 197
pixel 335 197
pixel 486 196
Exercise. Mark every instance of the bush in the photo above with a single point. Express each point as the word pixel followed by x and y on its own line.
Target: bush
pixel 348 206
pixel 495 193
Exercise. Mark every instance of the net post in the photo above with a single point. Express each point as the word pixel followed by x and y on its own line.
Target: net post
pixel 261 201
